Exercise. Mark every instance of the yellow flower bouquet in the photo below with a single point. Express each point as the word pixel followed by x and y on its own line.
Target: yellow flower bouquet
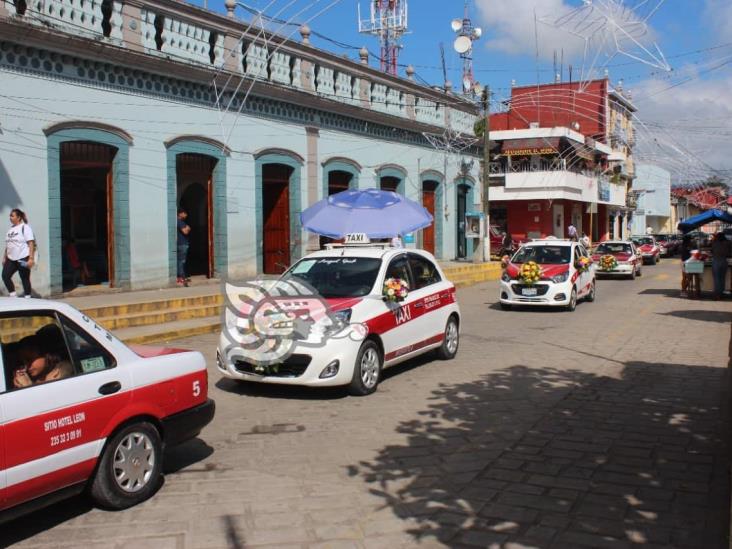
pixel 608 262
pixel 530 273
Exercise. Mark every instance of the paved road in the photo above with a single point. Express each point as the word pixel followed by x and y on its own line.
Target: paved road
pixel 606 427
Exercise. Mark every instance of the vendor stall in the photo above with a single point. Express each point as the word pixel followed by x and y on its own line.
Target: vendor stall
pixel 705 278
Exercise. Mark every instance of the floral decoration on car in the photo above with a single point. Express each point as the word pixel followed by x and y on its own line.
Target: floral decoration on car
pixel 395 289
pixel 583 264
pixel 530 273
pixel 608 262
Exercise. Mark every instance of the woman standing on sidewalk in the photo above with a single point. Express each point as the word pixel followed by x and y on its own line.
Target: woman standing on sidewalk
pixel 20 247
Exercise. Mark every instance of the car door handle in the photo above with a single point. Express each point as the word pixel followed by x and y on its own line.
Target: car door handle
pixel 418 305
pixel 110 388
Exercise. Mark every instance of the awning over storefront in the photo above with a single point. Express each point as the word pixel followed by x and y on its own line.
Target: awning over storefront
pixel 530 146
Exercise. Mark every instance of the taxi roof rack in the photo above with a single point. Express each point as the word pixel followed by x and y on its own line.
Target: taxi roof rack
pixel 339 245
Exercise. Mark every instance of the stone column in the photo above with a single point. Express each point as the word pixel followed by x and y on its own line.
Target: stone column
pixel 132 27
pixel 311 240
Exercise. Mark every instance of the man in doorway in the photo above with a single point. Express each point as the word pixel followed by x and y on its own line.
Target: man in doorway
pixel 183 231
pixel 572 232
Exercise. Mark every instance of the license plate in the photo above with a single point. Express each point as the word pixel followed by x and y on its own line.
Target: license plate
pixel 528 291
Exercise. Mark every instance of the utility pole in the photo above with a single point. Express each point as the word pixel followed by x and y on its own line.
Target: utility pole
pixel 486 97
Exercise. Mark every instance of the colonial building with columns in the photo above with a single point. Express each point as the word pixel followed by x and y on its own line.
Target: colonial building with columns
pixel 117 112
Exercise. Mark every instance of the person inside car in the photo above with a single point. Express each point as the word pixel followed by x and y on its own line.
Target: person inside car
pixel 38 365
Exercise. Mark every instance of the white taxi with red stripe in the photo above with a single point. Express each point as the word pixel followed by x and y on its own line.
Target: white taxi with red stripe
pixel 378 332
pixel 627 258
pixel 81 410
pixel 566 275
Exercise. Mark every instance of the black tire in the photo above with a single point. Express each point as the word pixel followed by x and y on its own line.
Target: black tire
pixel 572 305
pixel 365 380
pixel 655 260
pixel 505 306
pixel 640 272
pixel 451 342
pixel 138 445
pixel 632 273
pixel 591 296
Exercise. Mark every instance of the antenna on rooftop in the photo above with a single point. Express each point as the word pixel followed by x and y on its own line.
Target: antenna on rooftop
pixel 467 34
pixel 388 22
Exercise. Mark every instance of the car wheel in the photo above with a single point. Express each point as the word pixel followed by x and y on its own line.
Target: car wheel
pixel 129 471
pixel 505 306
pixel 451 342
pixel 591 296
pixel 633 272
pixel 655 260
pixel 367 370
pixel 640 271
pixel 572 305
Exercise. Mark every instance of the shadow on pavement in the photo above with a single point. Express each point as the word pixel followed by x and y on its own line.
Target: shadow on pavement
pixel 39 521
pixel 705 315
pixel 32 524
pixel 267 390
pixel 555 458
pixel 668 292
pixel 185 455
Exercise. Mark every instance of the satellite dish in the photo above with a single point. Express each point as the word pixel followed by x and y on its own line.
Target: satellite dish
pixel 462 44
pixel 477 32
pixel 456 24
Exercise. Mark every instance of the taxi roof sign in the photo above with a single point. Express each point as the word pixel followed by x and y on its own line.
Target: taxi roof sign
pixel 357 238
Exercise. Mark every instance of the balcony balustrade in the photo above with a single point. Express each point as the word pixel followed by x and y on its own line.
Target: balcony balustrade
pixel 185 34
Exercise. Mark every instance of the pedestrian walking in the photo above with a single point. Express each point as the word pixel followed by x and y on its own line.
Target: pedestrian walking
pixel 720 252
pixel 20 249
pixel 572 232
pixel 183 242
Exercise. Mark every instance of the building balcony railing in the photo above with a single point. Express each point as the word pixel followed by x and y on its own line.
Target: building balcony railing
pixel 183 33
pixel 557 165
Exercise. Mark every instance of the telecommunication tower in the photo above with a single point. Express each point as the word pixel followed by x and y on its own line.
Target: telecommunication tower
pixel 388 21
pixel 467 34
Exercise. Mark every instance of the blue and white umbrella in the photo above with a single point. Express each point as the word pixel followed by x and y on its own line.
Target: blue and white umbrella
pixel 376 213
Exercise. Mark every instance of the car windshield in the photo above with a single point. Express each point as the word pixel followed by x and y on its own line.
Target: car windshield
pixel 337 276
pixel 643 240
pixel 543 255
pixel 613 248
pixel 661 238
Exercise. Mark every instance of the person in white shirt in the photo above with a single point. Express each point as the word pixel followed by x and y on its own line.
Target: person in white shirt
pixel 20 247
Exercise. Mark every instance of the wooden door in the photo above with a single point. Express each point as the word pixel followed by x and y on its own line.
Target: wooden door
pixel 428 233
pixel 276 218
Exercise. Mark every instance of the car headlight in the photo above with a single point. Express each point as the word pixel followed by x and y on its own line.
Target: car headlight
pixel 560 277
pixel 505 277
pixel 344 315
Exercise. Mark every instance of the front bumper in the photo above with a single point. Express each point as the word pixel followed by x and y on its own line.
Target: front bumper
pixel 620 270
pixel 304 366
pixel 549 294
pixel 187 424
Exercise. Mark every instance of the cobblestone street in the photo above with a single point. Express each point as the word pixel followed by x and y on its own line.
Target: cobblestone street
pixel 606 427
